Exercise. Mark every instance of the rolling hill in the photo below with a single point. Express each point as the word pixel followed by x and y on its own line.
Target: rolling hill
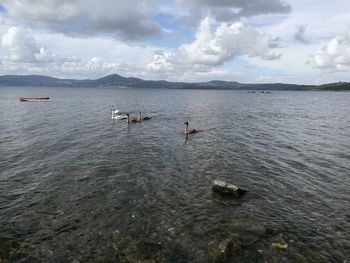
pixel 118 81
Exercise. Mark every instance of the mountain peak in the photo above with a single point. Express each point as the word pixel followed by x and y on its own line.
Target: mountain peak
pixel 116 80
pixel 114 77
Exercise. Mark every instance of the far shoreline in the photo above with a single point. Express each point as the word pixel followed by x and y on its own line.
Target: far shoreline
pixel 120 82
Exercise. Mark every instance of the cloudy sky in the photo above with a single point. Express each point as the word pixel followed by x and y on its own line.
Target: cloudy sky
pixel 292 41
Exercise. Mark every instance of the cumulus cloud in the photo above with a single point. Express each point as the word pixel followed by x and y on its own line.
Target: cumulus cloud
pixel 22 54
pixel 300 34
pixel 125 19
pixel 231 10
pixel 334 55
pixel 75 69
pixel 97 67
pixel 20 46
pixel 91 68
pixel 211 49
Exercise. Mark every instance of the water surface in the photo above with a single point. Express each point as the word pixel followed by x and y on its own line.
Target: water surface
pixel 76 186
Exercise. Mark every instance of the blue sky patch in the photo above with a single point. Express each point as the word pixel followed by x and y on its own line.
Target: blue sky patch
pixel 2 9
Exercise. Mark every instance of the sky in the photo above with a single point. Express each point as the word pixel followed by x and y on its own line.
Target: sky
pixel 249 41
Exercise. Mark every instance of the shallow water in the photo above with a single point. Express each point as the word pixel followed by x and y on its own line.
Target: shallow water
pixel 76 186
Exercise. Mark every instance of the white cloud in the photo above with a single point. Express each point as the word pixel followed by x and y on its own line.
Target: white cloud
pixel 124 19
pixel 23 55
pixel 211 49
pixel 21 47
pixel 92 68
pixel 20 44
pixel 334 55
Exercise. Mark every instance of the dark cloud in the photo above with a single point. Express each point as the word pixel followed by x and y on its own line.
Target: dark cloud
pixel 122 19
pixel 231 10
pixel 300 35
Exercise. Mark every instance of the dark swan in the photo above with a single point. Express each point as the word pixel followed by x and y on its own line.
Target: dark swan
pixel 130 121
pixel 143 118
pixel 189 130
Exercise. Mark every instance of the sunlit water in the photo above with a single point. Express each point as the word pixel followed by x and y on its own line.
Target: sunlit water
pixel 77 187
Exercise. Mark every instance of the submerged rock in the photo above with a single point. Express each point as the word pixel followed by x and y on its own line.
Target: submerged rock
pixel 223 188
pixel 273 229
pixel 231 246
pixel 144 251
pixel 280 245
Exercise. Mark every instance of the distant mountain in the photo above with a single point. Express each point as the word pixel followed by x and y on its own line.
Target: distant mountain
pixel 38 81
pixel 115 80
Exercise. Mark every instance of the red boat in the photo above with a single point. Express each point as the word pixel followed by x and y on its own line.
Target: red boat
pixel 34 99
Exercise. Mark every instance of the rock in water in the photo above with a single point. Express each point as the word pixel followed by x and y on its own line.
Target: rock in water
pixel 223 188
pixel 231 246
pixel 280 245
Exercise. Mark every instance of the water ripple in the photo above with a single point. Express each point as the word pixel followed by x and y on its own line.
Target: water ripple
pixel 75 185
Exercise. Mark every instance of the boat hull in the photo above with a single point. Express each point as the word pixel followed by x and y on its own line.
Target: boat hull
pixel 34 99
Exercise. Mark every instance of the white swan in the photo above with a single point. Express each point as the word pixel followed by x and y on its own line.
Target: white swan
pixel 116 116
pixel 119 117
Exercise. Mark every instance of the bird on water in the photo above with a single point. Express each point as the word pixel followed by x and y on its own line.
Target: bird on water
pixel 130 120
pixel 143 118
pixel 114 111
pixel 189 130
pixel 116 114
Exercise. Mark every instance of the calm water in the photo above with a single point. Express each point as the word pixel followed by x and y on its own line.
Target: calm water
pixel 77 187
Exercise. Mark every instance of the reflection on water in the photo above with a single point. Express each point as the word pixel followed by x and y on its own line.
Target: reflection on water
pixel 76 186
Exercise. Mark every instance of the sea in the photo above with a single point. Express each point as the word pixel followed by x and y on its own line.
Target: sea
pixel 77 186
